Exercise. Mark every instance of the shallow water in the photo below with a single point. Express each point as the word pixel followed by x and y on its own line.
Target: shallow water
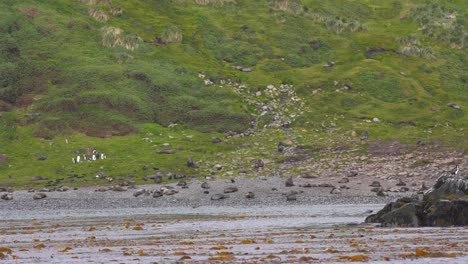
pixel 259 234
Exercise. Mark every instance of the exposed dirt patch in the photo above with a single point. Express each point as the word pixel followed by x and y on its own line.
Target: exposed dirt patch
pixel 380 148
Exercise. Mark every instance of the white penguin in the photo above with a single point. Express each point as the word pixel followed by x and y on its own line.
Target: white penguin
pixel 73 160
pixel 94 157
pixel 78 159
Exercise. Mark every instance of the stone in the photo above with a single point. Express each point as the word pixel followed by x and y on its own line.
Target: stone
pixel 63 189
pixel 191 164
pixel 205 185
pixel 45 190
pixel 216 140
pixel 42 158
pixel 259 164
pixel 119 189
pixel 157 194
pixel 166 151
pixel 250 195
pixel 219 196
pixel 352 174
pixel 139 192
pixel 38 178
pixel 400 183
pixel 182 183
pixel 6 197
pixel 230 189
pixel 280 146
pixel 375 184
pixel 326 185
pixel 335 191
pixel 376 189
pixel 289 182
pixel 38 196
pixel 381 193
pixel 169 191
pixel 308 176
pixel 344 180
pixel 101 189
pixel 291 196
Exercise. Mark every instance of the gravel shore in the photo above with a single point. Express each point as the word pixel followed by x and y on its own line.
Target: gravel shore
pixel 268 191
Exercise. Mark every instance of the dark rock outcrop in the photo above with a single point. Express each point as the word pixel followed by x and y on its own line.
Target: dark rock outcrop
pixel 445 204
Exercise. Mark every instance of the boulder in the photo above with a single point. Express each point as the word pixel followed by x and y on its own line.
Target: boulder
pixel 375 184
pixel 42 158
pixel 205 185
pixel 444 204
pixel 216 140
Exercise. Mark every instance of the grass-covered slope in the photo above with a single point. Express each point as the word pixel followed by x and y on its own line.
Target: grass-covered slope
pixel 89 69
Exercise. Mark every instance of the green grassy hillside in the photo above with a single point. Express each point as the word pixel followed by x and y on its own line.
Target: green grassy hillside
pixel 114 75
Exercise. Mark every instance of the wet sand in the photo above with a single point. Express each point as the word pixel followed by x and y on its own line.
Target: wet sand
pixel 85 226
pixel 316 234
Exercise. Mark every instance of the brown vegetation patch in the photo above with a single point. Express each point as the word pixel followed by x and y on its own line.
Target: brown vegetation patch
pixel 29 12
pixel 3 158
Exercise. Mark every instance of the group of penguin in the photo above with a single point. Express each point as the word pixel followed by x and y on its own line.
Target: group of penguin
pixel 95 156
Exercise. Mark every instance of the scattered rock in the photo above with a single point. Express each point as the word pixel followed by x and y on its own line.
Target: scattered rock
pixel 42 158
pixel 38 178
pixel 219 196
pixel 191 164
pixel 205 185
pixel 166 151
pixel 259 164
pixel 157 194
pixel 101 189
pixel 119 189
pixel 250 195
pixel 381 193
pixel 6 197
pixel 308 185
pixel 353 174
pixel 289 182
pixel 400 183
pixel 291 196
pixel 365 136
pixel 139 192
pixel 168 191
pixel 216 140
pixel 45 190
pixel 308 176
pixel 230 189
pixel 404 189
pixel 182 184
pixel 344 180
pixel 38 196
pixel 280 146
pixel 63 189
pixel 375 184
pixel 326 185
pixel 335 191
